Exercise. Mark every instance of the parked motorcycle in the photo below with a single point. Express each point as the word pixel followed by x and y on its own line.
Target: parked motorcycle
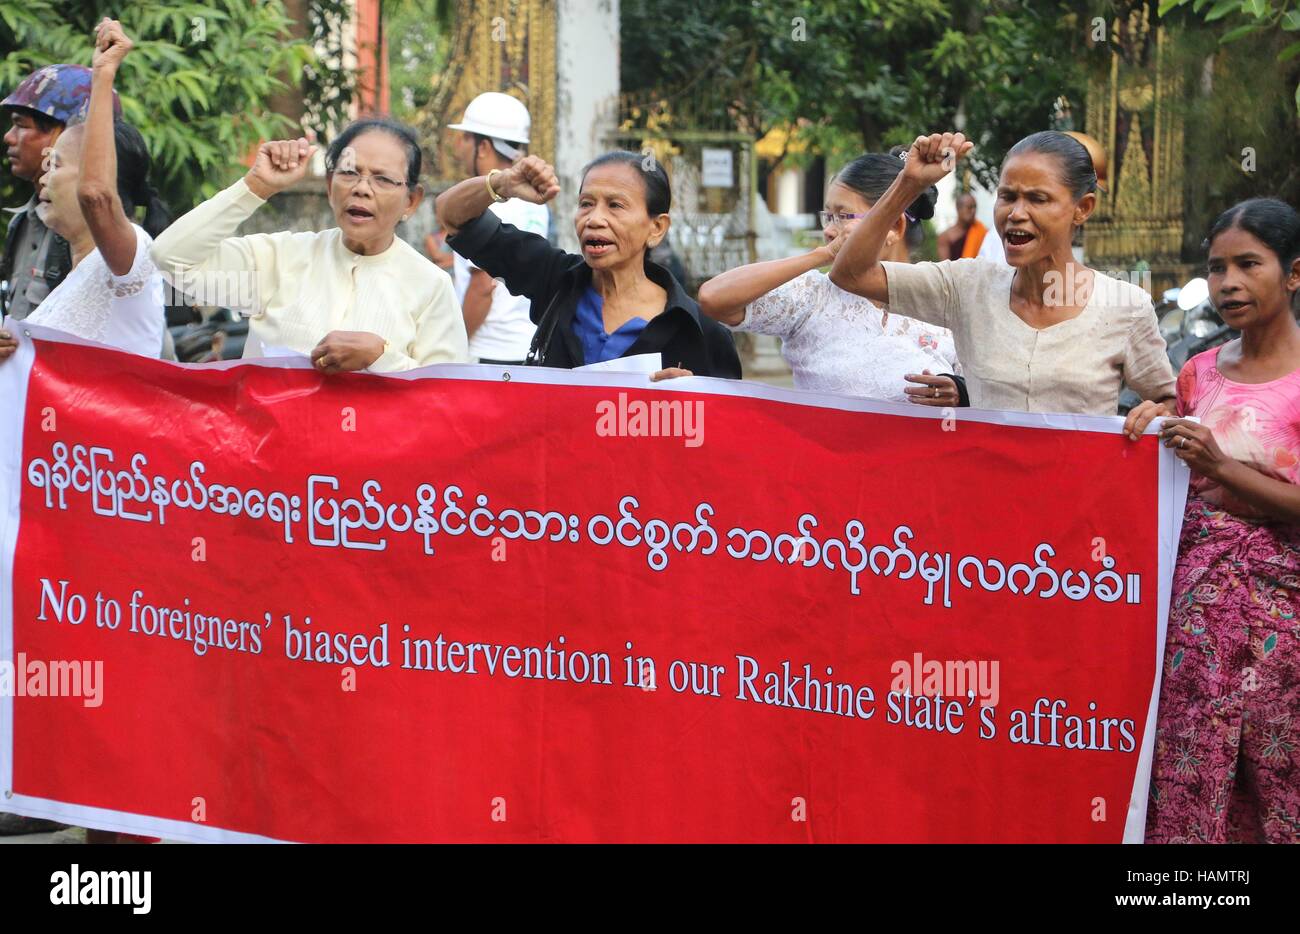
pixel 219 336
pixel 1192 325
pixel 1189 324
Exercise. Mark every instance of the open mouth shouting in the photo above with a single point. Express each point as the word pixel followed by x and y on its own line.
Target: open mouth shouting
pixel 1017 238
pixel 595 246
pixel 359 214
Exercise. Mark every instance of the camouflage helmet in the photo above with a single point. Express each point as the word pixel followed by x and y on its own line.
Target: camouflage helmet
pixel 60 92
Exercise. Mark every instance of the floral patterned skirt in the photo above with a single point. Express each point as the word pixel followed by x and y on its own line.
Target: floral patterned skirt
pixel 1226 764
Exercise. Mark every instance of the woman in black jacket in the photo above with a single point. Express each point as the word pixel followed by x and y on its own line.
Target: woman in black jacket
pixel 609 302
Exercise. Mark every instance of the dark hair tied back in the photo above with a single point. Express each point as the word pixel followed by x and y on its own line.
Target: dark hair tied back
pixel 398 131
pixel 658 190
pixel 133 185
pixel 871 175
pixel 1077 170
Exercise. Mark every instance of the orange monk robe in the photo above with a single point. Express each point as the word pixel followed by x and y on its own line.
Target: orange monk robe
pixel 974 237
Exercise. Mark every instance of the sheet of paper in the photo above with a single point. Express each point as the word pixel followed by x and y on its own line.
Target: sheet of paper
pixel 274 350
pixel 637 363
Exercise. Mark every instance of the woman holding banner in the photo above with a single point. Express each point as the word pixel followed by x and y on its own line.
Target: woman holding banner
pixel 1227 759
pixel 836 341
pixel 609 302
pixel 1041 333
pixel 354 297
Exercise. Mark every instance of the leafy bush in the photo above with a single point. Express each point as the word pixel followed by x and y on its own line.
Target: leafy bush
pixel 196 84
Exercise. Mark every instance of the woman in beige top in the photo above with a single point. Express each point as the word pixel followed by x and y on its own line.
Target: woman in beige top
pixel 1041 333
pixel 352 297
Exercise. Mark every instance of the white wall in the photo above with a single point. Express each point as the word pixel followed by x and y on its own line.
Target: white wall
pixel 586 98
pixel 788 191
pixel 945 210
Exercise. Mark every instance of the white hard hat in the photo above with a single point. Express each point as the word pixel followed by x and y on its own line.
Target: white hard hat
pixel 501 118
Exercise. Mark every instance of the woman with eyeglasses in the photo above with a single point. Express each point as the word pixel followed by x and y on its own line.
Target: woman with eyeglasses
pixel 354 297
pixel 836 341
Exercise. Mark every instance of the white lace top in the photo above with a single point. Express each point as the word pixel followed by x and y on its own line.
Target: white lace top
pixel 836 341
pixel 122 311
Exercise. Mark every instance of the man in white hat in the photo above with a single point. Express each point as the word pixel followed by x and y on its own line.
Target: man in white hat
pixel 493 133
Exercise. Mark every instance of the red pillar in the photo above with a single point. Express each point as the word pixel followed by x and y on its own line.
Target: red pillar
pixel 372 58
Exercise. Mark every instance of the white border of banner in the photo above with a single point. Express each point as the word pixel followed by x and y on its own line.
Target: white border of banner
pixel 1172 495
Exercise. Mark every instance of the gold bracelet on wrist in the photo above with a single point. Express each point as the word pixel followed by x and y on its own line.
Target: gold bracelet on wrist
pixel 490 190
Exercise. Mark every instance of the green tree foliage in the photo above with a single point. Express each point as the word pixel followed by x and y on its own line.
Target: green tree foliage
pixel 856 75
pixel 1242 18
pixel 1239 129
pixel 420 37
pixel 196 84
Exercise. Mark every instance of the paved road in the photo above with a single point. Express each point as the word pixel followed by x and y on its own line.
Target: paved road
pixel 71 835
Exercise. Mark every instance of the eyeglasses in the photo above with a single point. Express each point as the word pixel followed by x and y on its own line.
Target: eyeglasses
pixel 349 178
pixel 830 217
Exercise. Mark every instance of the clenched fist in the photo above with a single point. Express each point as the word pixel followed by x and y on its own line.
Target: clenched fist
pixel 531 178
pixel 111 45
pixel 934 156
pixel 279 164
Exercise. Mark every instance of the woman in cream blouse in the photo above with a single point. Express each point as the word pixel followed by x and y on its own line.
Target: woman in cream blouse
pixel 352 297
pixel 1041 333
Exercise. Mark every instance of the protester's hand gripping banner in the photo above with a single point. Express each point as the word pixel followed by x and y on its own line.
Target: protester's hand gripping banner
pixel 245 601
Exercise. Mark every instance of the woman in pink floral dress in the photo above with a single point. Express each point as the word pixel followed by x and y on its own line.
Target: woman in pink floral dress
pixel 1227 760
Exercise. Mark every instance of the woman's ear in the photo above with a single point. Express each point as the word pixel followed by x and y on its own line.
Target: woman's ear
pixel 898 231
pixel 413 199
pixel 1084 207
pixel 658 230
pixel 1293 280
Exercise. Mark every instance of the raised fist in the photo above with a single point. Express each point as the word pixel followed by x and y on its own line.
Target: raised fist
pixel 278 165
pixel 111 45
pixel 531 178
pixel 934 156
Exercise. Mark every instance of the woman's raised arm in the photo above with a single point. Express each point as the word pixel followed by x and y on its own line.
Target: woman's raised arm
pixel 531 178
pixel 725 296
pixel 857 268
pixel 97 185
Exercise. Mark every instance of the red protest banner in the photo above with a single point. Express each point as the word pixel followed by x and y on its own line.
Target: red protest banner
pixel 569 607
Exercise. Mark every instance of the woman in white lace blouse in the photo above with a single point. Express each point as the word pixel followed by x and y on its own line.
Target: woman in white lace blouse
pixel 96 176
pixel 836 341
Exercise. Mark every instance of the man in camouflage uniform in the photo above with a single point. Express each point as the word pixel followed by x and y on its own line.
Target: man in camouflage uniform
pixel 35 258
